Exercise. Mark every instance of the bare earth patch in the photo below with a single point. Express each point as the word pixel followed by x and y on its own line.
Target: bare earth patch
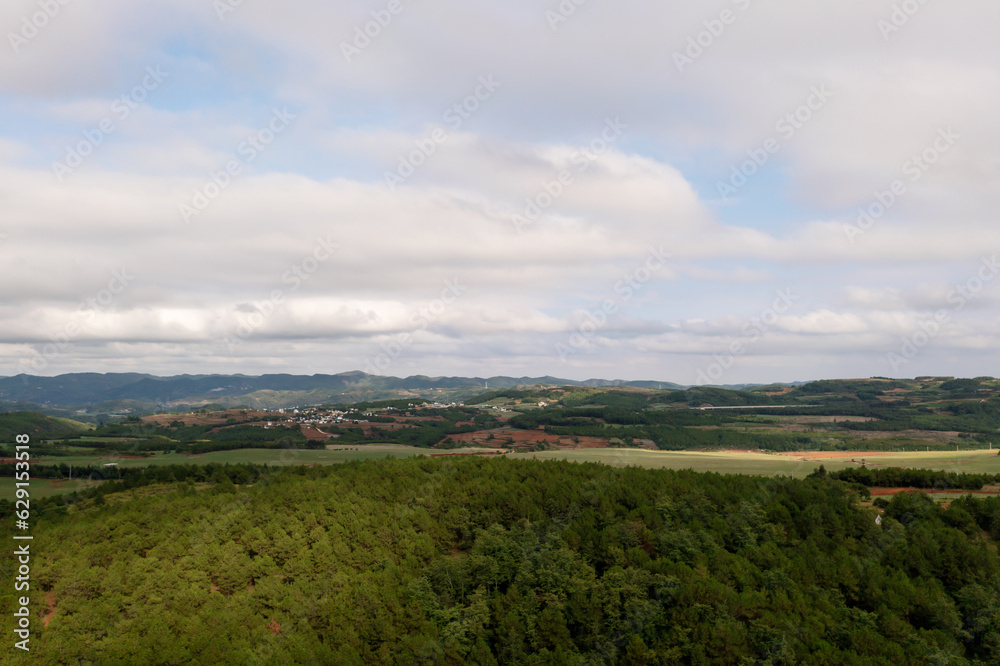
pixel 828 419
pixel 818 455
pixel 312 432
pixel 522 439
pixel 50 599
pixel 212 418
pixel 888 492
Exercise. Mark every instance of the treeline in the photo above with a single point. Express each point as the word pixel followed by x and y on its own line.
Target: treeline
pixel 893 477
pixel 618 415
pixel 37 425
pixel 146 440
pixel 285 444
pixel 400 404
pixel 668 429
pixel 238 473
pixel 447 561
pixel 194 433
pixel 981 419
pixel 119 479
pixel 422 434
pixel 427 435
pixel 689 397
pixel 532 395
pixel 149 447
pixel 847 386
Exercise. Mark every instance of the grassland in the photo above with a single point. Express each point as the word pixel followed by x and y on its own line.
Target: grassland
pixel 275 457
pixel 797 465
pixel 44 487
pixel 724 462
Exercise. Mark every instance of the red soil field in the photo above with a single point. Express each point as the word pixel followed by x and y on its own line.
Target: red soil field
pixel 526 439
pixel 312 432
pixel 888 492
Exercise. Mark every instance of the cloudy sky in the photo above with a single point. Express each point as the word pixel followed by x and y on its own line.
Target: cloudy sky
pixel 726 192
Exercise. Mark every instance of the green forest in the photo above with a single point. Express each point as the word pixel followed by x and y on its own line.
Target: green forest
pixel 497 561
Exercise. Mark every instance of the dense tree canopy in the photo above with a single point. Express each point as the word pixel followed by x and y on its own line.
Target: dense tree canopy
pixel 512 562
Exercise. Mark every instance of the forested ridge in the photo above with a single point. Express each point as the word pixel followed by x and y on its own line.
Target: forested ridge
pixel 499 561
pixel 37 425
pixel 895 477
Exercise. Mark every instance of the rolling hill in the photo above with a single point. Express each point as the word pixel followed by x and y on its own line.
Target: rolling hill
pixel 37 426
pixel 137 392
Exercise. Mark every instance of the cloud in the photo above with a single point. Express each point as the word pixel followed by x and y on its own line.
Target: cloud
pixel 589 151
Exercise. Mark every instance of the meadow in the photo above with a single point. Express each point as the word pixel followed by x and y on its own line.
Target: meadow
pixel 798 465
pixel 45 487
pixel 274 457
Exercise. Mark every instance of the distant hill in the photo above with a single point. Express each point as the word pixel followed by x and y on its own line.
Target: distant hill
pixel 94 394
pixel 138 391
pixel 37 426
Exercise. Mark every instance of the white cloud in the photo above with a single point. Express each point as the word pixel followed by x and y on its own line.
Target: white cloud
pixel 655 186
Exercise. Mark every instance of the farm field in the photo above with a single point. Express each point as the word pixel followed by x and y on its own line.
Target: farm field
pixel 330 456
pixel 274 457
pixel 44 487
pixel 797 464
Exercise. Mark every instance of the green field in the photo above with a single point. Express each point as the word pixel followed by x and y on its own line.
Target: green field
pixel 773 464
pixel 761 464
pixel 724 462
pixel 275 457
pixel 44 487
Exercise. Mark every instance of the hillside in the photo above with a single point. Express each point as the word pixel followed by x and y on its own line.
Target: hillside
pixel 136 393
pixel 509 562
pixel 38 426
pixel 114 392
pixel 926 414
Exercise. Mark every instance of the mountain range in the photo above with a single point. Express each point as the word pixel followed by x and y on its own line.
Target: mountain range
pixel 136 391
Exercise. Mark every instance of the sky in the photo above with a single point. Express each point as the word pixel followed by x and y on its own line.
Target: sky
pixel 719 192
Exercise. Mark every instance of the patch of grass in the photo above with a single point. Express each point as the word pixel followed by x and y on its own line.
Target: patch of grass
pixel 45 487
pixel 723 463
pixel 763 464
pixel 273 457
pixel 797 465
